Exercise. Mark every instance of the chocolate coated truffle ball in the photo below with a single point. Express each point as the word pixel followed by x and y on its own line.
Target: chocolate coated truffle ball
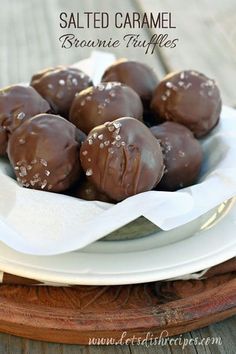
pixel 105 102
pixel 122 158
pixel 137 75
pixel 182 155
pixel 59 85
pixel 44 152
pixel 17 103
pixel 188 98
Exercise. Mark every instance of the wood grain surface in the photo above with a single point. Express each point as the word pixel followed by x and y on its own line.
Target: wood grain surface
pixel 79 314
pixel 29 42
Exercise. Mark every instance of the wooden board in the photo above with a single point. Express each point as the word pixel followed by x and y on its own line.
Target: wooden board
pixel 73 315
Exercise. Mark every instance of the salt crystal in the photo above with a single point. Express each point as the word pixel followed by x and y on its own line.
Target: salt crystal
pixel 22 141
pixel 44 183
pixel 61 82
pixel 74 81
pixel 20 116
pixel 43 162
pixel 111 128
pixel 169 84
pixel 89 172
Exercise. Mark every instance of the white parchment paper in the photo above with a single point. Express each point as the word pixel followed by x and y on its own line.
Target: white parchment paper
pixel 43 223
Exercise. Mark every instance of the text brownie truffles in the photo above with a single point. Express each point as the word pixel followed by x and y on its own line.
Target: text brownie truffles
pixel 62 134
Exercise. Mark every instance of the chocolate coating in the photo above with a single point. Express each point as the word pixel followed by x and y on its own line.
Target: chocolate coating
pixel 59 85
pixel 87 191
pixel 105 102
pixel 139 76
pixel 17 103
pixel 188 98
pixel 44 152
pixel 182 155
pixel 122 158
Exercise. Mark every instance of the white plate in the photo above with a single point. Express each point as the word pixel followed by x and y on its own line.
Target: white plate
pixel 203 243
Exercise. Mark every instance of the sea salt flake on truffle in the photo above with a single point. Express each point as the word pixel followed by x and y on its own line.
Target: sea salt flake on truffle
pixel 74 81
pixel 111 128
pixel 117 125
pixel 107 142
pixel 82 103
pixel 61 82
pixel 168 93
pixel 44 183
pixel 169 84
pixel 47 173
pixel 118 137
pixel 50 86
pixel 100 137
pixel 21 141
pixel 20 116
pixel 90 141
pixel 43 162
pixel 181 153
pixel 85 152
pixel 89 172
pixel 112 93
pixel 23 171
pixel 182 76
pixel 101 145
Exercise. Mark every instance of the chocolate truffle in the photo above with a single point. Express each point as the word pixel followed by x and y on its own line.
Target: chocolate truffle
pixel 188 98
pixel 17 103
pixel 137 75
pixel 122 158
pixel 87 191
pixel 102 103
pixel 59 85
pixel 182 155
pixel 44 152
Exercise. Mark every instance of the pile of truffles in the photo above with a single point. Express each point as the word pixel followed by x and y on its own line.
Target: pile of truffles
pixel 130 134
